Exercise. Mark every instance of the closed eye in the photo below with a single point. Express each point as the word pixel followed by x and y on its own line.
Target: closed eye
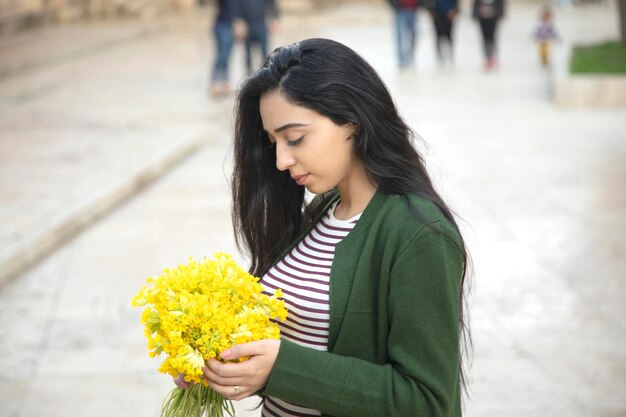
pixel 295 142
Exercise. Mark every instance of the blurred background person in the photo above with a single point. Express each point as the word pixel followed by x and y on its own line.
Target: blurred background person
pixel 443 13
pixel 488 13
pixel 226 10
pixel 545 34
pixel 255 14
pixel 405 20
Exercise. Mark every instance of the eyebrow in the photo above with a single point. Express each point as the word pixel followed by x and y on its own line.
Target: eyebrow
pixel 289 126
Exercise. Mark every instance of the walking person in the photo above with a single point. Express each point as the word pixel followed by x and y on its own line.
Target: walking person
pixel 256 13
pixel 443 12
pixel 226 12
pixel 405 22
pixel 488 13
pixel 545 35
pixel 372 269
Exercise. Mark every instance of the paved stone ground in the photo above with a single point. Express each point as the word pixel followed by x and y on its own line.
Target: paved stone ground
pixel 82 132
pixel 541 191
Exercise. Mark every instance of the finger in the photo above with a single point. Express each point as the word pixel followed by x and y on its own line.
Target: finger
pixel 230 392
pixel 181 384
pixel 225 373
pixel 243 350
pixel 180 381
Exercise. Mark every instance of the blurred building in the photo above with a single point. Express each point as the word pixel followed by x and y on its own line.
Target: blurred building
pixel 22 14
pixel 18 15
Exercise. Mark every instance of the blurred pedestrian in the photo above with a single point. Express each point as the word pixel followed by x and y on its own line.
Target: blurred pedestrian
pixel 444 13
pixel 256 14
pixel 405 20
pixel 545 34
pixel 488 13
pixel 226 10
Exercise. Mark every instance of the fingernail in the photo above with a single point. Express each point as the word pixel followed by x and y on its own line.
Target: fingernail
pixel 225 354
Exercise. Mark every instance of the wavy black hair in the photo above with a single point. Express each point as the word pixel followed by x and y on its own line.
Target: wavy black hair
pixel 269 209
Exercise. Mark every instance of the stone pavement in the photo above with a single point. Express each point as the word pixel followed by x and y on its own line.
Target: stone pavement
pixel 540 189
pixel 84 129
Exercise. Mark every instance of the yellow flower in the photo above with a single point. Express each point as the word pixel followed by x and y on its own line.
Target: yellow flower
pixel 197 310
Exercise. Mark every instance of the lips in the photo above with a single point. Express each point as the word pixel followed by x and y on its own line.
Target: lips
pixel 300 179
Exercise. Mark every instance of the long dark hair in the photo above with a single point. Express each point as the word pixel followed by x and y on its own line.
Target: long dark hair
pixel 325 76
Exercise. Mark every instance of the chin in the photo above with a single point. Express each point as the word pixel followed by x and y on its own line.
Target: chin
pixel 312 190
pixel 317 189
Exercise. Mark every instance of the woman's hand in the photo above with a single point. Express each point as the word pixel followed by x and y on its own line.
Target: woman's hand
pixel 239 380
pixel 180 381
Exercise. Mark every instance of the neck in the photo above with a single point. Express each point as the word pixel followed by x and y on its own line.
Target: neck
pixel 355 192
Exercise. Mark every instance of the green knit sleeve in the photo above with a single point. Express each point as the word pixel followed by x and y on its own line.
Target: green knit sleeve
pixel 424 315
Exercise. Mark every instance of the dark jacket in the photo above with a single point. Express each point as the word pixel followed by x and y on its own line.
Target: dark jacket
pixel 227 10
pixel 441 6
pixel 393 347
pixel 257 11
pixel 497 8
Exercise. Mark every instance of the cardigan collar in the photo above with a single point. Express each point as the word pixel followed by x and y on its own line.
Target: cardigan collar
pixel 369 214
pixel 342 272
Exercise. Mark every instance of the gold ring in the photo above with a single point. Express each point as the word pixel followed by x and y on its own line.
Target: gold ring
pixel 236 389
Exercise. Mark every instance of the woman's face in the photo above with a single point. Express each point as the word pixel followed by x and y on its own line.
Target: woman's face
pixel 317 152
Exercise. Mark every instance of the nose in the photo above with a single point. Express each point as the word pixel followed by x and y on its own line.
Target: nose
pixel 284 157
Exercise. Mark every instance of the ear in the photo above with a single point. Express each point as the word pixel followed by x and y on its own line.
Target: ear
pixel 355 129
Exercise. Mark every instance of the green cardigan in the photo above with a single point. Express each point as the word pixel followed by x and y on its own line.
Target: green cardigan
pixel 393 348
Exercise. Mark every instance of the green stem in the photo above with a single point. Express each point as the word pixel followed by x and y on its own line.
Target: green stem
pixel 196 401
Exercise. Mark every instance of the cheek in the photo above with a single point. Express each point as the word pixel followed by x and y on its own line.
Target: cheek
pixel 337 162
pixel 330 153
pixel 343 153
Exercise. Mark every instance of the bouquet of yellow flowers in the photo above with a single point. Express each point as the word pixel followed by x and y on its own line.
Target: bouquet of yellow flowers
pixel 196 311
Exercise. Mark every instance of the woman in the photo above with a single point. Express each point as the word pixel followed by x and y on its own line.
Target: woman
pixel 372 268
pixel 488 13
pixel 444 13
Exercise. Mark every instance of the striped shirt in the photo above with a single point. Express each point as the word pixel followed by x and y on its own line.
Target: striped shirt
pixel 304 277
pixel 545 32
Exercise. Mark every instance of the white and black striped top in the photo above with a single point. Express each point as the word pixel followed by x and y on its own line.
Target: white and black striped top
pixel 304 277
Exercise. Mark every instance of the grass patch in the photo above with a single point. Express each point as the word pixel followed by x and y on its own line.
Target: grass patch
pixel 606 58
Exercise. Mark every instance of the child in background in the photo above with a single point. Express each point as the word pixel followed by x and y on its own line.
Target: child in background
pixel 545 35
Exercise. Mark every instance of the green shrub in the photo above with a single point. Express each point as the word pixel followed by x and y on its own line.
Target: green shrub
pixel 606 58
